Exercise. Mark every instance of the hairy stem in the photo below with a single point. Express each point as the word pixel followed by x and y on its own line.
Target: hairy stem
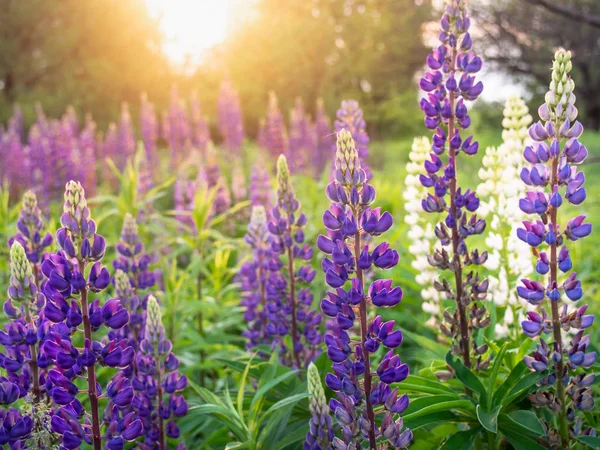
pixel 363 341
pixel 292 275
pixel 560 389
pixel 462 315
pixel 33 362
pixel 91 372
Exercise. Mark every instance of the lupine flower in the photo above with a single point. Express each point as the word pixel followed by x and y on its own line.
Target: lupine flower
pixel 554 179
pixel 30 235
pixel 367 408
pixel 300 137
pixel 176 128
pixel 68 306
pixel 26 366
pixel 159 381
pixel 210 177
pixel 132 259
pixel 350 117
pixel 449 84
pixel 255 281
pixel 200 130
pixel 126 138
pixel 88 147
pixel 509 257
pixel 184 193
pixel 238 184
pixel 325 139
pixel 286 297
pixel 14 428
pixel 149 129
pixel 320 433
pixel 260 186
pixel 276 134
pixel 421 235
pixel 229 113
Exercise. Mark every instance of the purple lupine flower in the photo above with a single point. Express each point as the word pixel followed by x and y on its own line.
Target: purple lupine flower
pixel 211 178
pixel 126 138
pixel 200 129
pixel 320 433
pixel 239 185
pixel 255 277
pixel 176 128
pixel 231 121
pixel 184 193
pixel 276 135
pixel 149 129
pixel 300 137
pixel 88 148
pixel 261 137
pixel 68 306
pixel 14 428
pixel 350 117
pixel 449 84
pixel 360 402
pixel 260 186
pixel 30 235
pixel 552 171
pixel 286 296
pixel 160 380
pixel 132 259
pixel 325 139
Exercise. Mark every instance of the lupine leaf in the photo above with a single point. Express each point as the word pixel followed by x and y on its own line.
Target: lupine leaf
pixel 468 378
pixel 494 374
pixel 590 441
pixel 529 420
pixel 489 419
pixel 427 400
pixel 463 440
pixel 511 380
pixel 435 418
pixel 522 437
pixel 424 385
pixel 522 387
pixel 465 406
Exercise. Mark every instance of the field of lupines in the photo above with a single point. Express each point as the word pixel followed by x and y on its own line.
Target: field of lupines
pixel 307 289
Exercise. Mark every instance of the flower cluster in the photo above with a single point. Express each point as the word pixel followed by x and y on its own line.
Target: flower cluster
pixel 157 378
pixel 350 117
pixel 421 234
pixel 324 139
pixel 210 177
pixel 68 307
pixel 255 277
pixel 320 433
pixel 275 132
pixel 149 130
pixel 176 129
pixel 300 138
pixel 366 406
pixel 553 178
pixel 286 298
pixel 509 257
pixel 449 84
pixel 229 113
pixel 200 129
pixel 260 187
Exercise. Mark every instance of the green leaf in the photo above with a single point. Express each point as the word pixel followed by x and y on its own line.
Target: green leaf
pixel 463 440
pixel 489 419
pixel 432 419
pixel 590 441
pixel 528 420
pixel 513 377
pixel 428 400
pixel 494 374
pixel 520 442
pixel 521 436
pixel 424 385
pixel 468 378
pixel 465 406
pixel 523 386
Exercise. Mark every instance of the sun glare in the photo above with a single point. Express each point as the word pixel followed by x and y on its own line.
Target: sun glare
pixel 192 26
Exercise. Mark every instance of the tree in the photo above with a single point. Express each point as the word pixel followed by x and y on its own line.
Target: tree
pixel 91 54
pixel 519 36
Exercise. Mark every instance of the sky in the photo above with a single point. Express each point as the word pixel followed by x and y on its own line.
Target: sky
pixel 192 27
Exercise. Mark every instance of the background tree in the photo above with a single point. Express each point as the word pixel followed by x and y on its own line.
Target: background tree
pixel 91 54
pixel 518 36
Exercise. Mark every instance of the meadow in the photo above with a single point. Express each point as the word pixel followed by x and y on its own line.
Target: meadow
pixel 200 337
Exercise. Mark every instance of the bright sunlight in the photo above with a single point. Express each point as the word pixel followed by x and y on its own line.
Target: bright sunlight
pixel 192 26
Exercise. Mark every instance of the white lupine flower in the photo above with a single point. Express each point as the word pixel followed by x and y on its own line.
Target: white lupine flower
pixel 421 231
pixel 509 257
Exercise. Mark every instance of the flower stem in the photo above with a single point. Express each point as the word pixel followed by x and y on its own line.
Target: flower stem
pixel 91 371
pixel 292 276
pixel 363 339
pixel 161 424
pixel 457 263
pixel 560 389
